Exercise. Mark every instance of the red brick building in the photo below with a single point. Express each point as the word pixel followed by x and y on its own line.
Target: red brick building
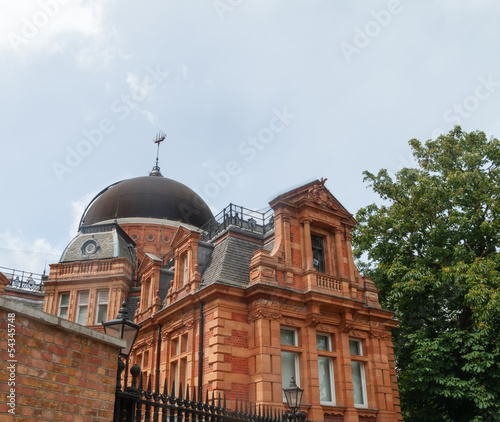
pixel 241 301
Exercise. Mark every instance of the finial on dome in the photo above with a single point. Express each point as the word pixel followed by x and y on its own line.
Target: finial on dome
pixel 160 137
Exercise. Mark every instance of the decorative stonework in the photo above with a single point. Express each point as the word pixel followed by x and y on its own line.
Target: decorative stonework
pixel 319 194
pixel 279 305
pixel 262 315
pixel 380 335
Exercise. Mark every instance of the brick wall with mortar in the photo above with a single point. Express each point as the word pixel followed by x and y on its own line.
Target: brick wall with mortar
pixel 63 371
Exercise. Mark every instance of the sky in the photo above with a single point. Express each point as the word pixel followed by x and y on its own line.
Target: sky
pixel 256 97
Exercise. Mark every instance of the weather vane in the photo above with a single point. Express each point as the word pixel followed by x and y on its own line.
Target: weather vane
pixel 160 137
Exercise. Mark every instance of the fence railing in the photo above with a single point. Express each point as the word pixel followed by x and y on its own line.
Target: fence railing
pixel 24 280
pixel 244 218
pixel 138 405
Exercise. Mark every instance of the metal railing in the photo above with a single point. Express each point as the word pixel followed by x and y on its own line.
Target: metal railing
pixel 138 405
pixel 238 216
pixel 24 280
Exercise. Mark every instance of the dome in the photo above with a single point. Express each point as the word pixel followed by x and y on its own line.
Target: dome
pixel 148 197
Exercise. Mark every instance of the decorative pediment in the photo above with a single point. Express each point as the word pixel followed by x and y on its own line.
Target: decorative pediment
pixel 181 235
pixel 148 261
pixel 315 194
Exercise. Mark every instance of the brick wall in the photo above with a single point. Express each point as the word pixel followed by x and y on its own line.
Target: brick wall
pixel 61 371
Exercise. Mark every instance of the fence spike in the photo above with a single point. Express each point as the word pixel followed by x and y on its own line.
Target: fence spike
pixel 172 391
pixel 260 415
pixel 246 409
pixel 180 390
pixel 236 405
pixel 149 384
pixel 206 397
pixel 194 393
pixel 187 392
pixel 225 404
pixel 213 398
pixel 218 400
pixel 140 383
pixel 165 388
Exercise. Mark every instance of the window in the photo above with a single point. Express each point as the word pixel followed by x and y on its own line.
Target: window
pixel 318 253
pixel 102 306
pixel 326 386
pixel 82 307
pixel 184 343
pixel 325 370
pixel 358 374
pixel 288 337
pixel 185 269
pixel 63 305
pixel 174 377
pixel 323 342
pixel 289 358
pixel 179 351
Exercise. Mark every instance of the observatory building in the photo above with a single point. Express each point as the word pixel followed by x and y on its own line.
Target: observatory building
pixel 237 303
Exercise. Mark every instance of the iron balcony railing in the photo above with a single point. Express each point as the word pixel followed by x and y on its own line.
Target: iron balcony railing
pixel 238 216
pixel 24 280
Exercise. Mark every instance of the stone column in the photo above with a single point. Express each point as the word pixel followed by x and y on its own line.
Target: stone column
pixel 350 258
pixel 308 244
pixel 338 249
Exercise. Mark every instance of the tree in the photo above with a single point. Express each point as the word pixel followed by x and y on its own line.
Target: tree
pixel 433 250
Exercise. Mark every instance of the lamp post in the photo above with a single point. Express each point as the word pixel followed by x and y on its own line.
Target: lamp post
pixel 124 329
pixel 293 395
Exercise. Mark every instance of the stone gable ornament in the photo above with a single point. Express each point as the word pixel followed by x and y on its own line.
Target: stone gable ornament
pixel 319 194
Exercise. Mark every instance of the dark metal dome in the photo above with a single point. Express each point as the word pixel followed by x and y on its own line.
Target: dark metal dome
pixel 150 197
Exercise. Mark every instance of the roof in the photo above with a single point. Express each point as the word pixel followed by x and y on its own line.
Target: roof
pixel 148 197
pixel 107 242
pixel 230 262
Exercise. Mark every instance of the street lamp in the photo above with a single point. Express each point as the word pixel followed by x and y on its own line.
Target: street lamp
pixel 124 329
pixel 293 395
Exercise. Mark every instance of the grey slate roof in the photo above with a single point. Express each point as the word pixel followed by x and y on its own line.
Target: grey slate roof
pixel 132 304
pixel 230 261
pixel 110 244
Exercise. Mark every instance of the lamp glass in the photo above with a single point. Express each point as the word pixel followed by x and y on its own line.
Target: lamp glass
pixel 122 329
pixel 293 395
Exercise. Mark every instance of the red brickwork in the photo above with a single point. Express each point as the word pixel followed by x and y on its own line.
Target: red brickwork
pixel 237 339
pixel 239 365
pixel 238 391
pixel 59 375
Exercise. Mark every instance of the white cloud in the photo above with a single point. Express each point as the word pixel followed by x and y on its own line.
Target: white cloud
pixel 29 28
pixel 77 208
pixel 141 91
pixel 22 254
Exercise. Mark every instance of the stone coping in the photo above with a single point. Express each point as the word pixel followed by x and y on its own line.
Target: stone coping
pixel 20 309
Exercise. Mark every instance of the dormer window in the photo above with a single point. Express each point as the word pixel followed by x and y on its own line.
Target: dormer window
pixel 318 253
pixel 184 270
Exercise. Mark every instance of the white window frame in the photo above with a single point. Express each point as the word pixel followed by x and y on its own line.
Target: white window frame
pixel 329 341
pixel 286 383
pixel 63 306
pixel 98 303
pixel 174 366
pixel 81 305
pixel 332 381
pixel 295 337
pixel 362 374
pixel 184 269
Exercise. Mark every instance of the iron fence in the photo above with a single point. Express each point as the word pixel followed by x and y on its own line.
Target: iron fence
pixel 238 216
pixel 24 280
pixel 138 405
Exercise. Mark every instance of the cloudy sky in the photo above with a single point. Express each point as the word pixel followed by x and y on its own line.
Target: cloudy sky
pixel 256 97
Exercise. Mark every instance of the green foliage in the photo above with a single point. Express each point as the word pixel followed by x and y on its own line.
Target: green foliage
pixel 433 251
